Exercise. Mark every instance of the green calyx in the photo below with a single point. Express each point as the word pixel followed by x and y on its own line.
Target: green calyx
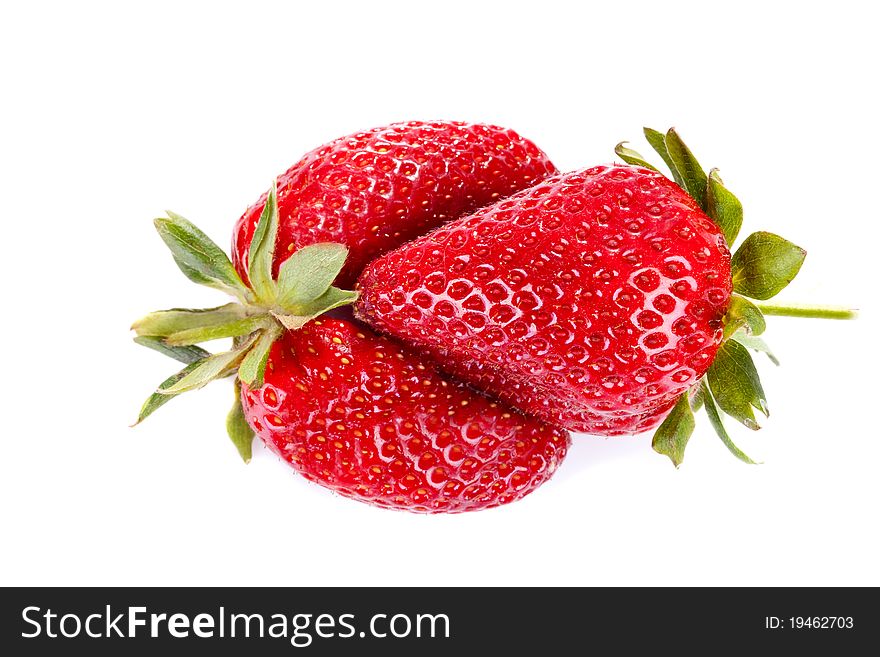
pixel 302 291
pixel 761 267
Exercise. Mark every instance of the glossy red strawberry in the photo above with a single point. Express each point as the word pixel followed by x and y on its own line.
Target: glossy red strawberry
pixel 357 413
pixel 604 300
pixel 591 299
pixel 375 190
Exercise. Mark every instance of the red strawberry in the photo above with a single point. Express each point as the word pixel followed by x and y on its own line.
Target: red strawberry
pixel 593 296
pixel 598 300
pixel 375 190
pixel 348 409
pixel 358 414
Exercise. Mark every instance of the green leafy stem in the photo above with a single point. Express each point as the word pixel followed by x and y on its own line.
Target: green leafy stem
pixel 262 312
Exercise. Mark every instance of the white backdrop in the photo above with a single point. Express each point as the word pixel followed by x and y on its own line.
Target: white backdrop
pixel 112 113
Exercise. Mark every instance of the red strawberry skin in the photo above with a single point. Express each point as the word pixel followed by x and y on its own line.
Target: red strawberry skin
pixel 591 300
pixel 551 409
pixel 357 413
pixel 375 190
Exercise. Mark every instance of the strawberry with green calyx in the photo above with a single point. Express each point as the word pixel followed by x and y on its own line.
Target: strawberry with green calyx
pixel 345 407
pixel 596 300
pixel 761 267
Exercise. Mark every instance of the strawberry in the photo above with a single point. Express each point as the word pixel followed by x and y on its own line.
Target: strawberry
pixel 375 190
pixel 600 300
pixel 594 295
pixel 357 413
pixel 345 407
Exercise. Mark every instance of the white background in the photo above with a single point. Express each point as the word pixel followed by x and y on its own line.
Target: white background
pixel 113 112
